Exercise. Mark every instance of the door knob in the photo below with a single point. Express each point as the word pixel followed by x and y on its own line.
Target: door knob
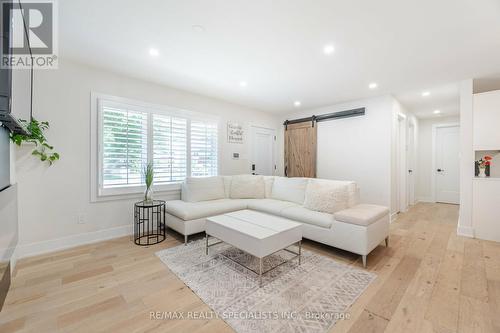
pixel 440 170
pixel 410 171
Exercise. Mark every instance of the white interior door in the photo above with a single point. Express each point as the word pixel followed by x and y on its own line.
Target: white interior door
pixel 263 140
pixel 411 164
pixel 447 175
pixel 401 168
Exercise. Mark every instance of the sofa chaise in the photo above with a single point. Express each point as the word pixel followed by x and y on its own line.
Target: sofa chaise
pixel 329 210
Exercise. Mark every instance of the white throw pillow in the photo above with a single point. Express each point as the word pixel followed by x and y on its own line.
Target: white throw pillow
pixel 289 189
pixel 248 187
pixel 202 189
pixel 227 186
pixel 353 195
pixel 269 180
pixel 328 196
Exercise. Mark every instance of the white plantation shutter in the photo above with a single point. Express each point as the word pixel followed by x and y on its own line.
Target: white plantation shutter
pixel 124 146
pixel 131 134
pixel 169 148
pixel 203 149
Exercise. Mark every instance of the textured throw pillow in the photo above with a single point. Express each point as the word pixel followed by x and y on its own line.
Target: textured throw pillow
pixel 289 189
pixel 269 180
pixel 202 189
pixel 248 187
pixel 227 186
pixel 327 196
pixel 353 195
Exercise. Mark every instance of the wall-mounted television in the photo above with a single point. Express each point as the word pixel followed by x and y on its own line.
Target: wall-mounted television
pixel 16 84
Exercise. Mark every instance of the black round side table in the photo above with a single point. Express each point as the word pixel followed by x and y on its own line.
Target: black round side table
pixel 149 222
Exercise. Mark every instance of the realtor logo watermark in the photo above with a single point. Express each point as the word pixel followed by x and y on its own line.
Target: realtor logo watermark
pixel 32 27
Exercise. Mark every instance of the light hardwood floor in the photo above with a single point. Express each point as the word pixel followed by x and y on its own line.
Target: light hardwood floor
pixel 429 280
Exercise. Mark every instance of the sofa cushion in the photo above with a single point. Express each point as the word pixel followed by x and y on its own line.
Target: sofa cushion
pixel 289 189
pixel 362 214
pixel 227 186
pixel 327 196
pixel 302 214
pixel 270 206
pixel 202 189
pixel 248 187
pixel 195 210
pixel 268 181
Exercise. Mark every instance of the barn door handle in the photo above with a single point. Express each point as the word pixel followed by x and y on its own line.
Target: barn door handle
pixel 286 169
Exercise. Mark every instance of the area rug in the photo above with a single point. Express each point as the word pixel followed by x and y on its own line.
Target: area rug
pixel 310 297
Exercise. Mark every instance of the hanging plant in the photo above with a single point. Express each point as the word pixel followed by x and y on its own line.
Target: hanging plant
pixel 43 150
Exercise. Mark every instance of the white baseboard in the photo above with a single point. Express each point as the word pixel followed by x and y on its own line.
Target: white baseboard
pixel 394 217
pixel 425 199
pixel 33 249
pixel 465 231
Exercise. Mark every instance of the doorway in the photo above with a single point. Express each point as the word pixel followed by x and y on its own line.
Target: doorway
pixel 263 151
pixel 411 164
pixel 401 165
pixel 446 163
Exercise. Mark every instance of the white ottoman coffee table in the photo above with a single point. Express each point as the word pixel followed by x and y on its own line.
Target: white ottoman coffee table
pixel 256 233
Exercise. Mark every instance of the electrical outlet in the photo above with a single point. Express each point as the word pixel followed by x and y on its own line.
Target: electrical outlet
pixel 81 218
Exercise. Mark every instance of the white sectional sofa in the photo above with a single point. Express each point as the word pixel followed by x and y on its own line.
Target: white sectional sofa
pixel 328 210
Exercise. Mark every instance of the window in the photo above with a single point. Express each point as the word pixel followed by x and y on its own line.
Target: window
pixel 203 149
pixel 129 135
pixel 125 144
pixel 169 148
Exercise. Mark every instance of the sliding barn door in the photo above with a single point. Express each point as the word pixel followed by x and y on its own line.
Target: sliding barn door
pixel 300 150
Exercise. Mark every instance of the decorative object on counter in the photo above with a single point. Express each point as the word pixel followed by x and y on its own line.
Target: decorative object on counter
pixel 43 150
pixel 483 164
pixel 148 173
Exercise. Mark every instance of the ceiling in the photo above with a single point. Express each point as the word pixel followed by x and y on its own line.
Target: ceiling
pixel 445 99
pixel 276 47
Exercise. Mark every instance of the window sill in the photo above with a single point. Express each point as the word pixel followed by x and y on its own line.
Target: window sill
pixel 164 192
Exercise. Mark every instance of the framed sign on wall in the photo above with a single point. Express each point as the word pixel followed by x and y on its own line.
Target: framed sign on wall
pixel 235 132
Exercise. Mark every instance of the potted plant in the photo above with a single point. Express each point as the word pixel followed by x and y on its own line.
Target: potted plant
pixel 36 129
pixel 482 164
pixel 148 174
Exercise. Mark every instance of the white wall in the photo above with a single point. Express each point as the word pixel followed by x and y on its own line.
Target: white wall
pixel 425 173
pixel 465 227
pixel 357 148
pixel 51 198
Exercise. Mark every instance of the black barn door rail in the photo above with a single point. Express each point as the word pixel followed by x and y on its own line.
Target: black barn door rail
pixel 328 116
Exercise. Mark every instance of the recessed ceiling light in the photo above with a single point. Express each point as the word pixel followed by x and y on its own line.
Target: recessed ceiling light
pixel 373 85
pixel 198 28
pixel 297 104
pixel 154 52
pixel 328 49
pixel 437 111
pixel 243 84
pixel 426 94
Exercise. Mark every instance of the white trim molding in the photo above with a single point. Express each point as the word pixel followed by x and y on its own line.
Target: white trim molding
pixel 465 231
pixel 426 199
pixel 433 164
pixel 97 192
pixel 33 249
pixel 394 216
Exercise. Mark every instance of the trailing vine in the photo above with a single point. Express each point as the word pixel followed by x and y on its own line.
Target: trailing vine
pixel 43 150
